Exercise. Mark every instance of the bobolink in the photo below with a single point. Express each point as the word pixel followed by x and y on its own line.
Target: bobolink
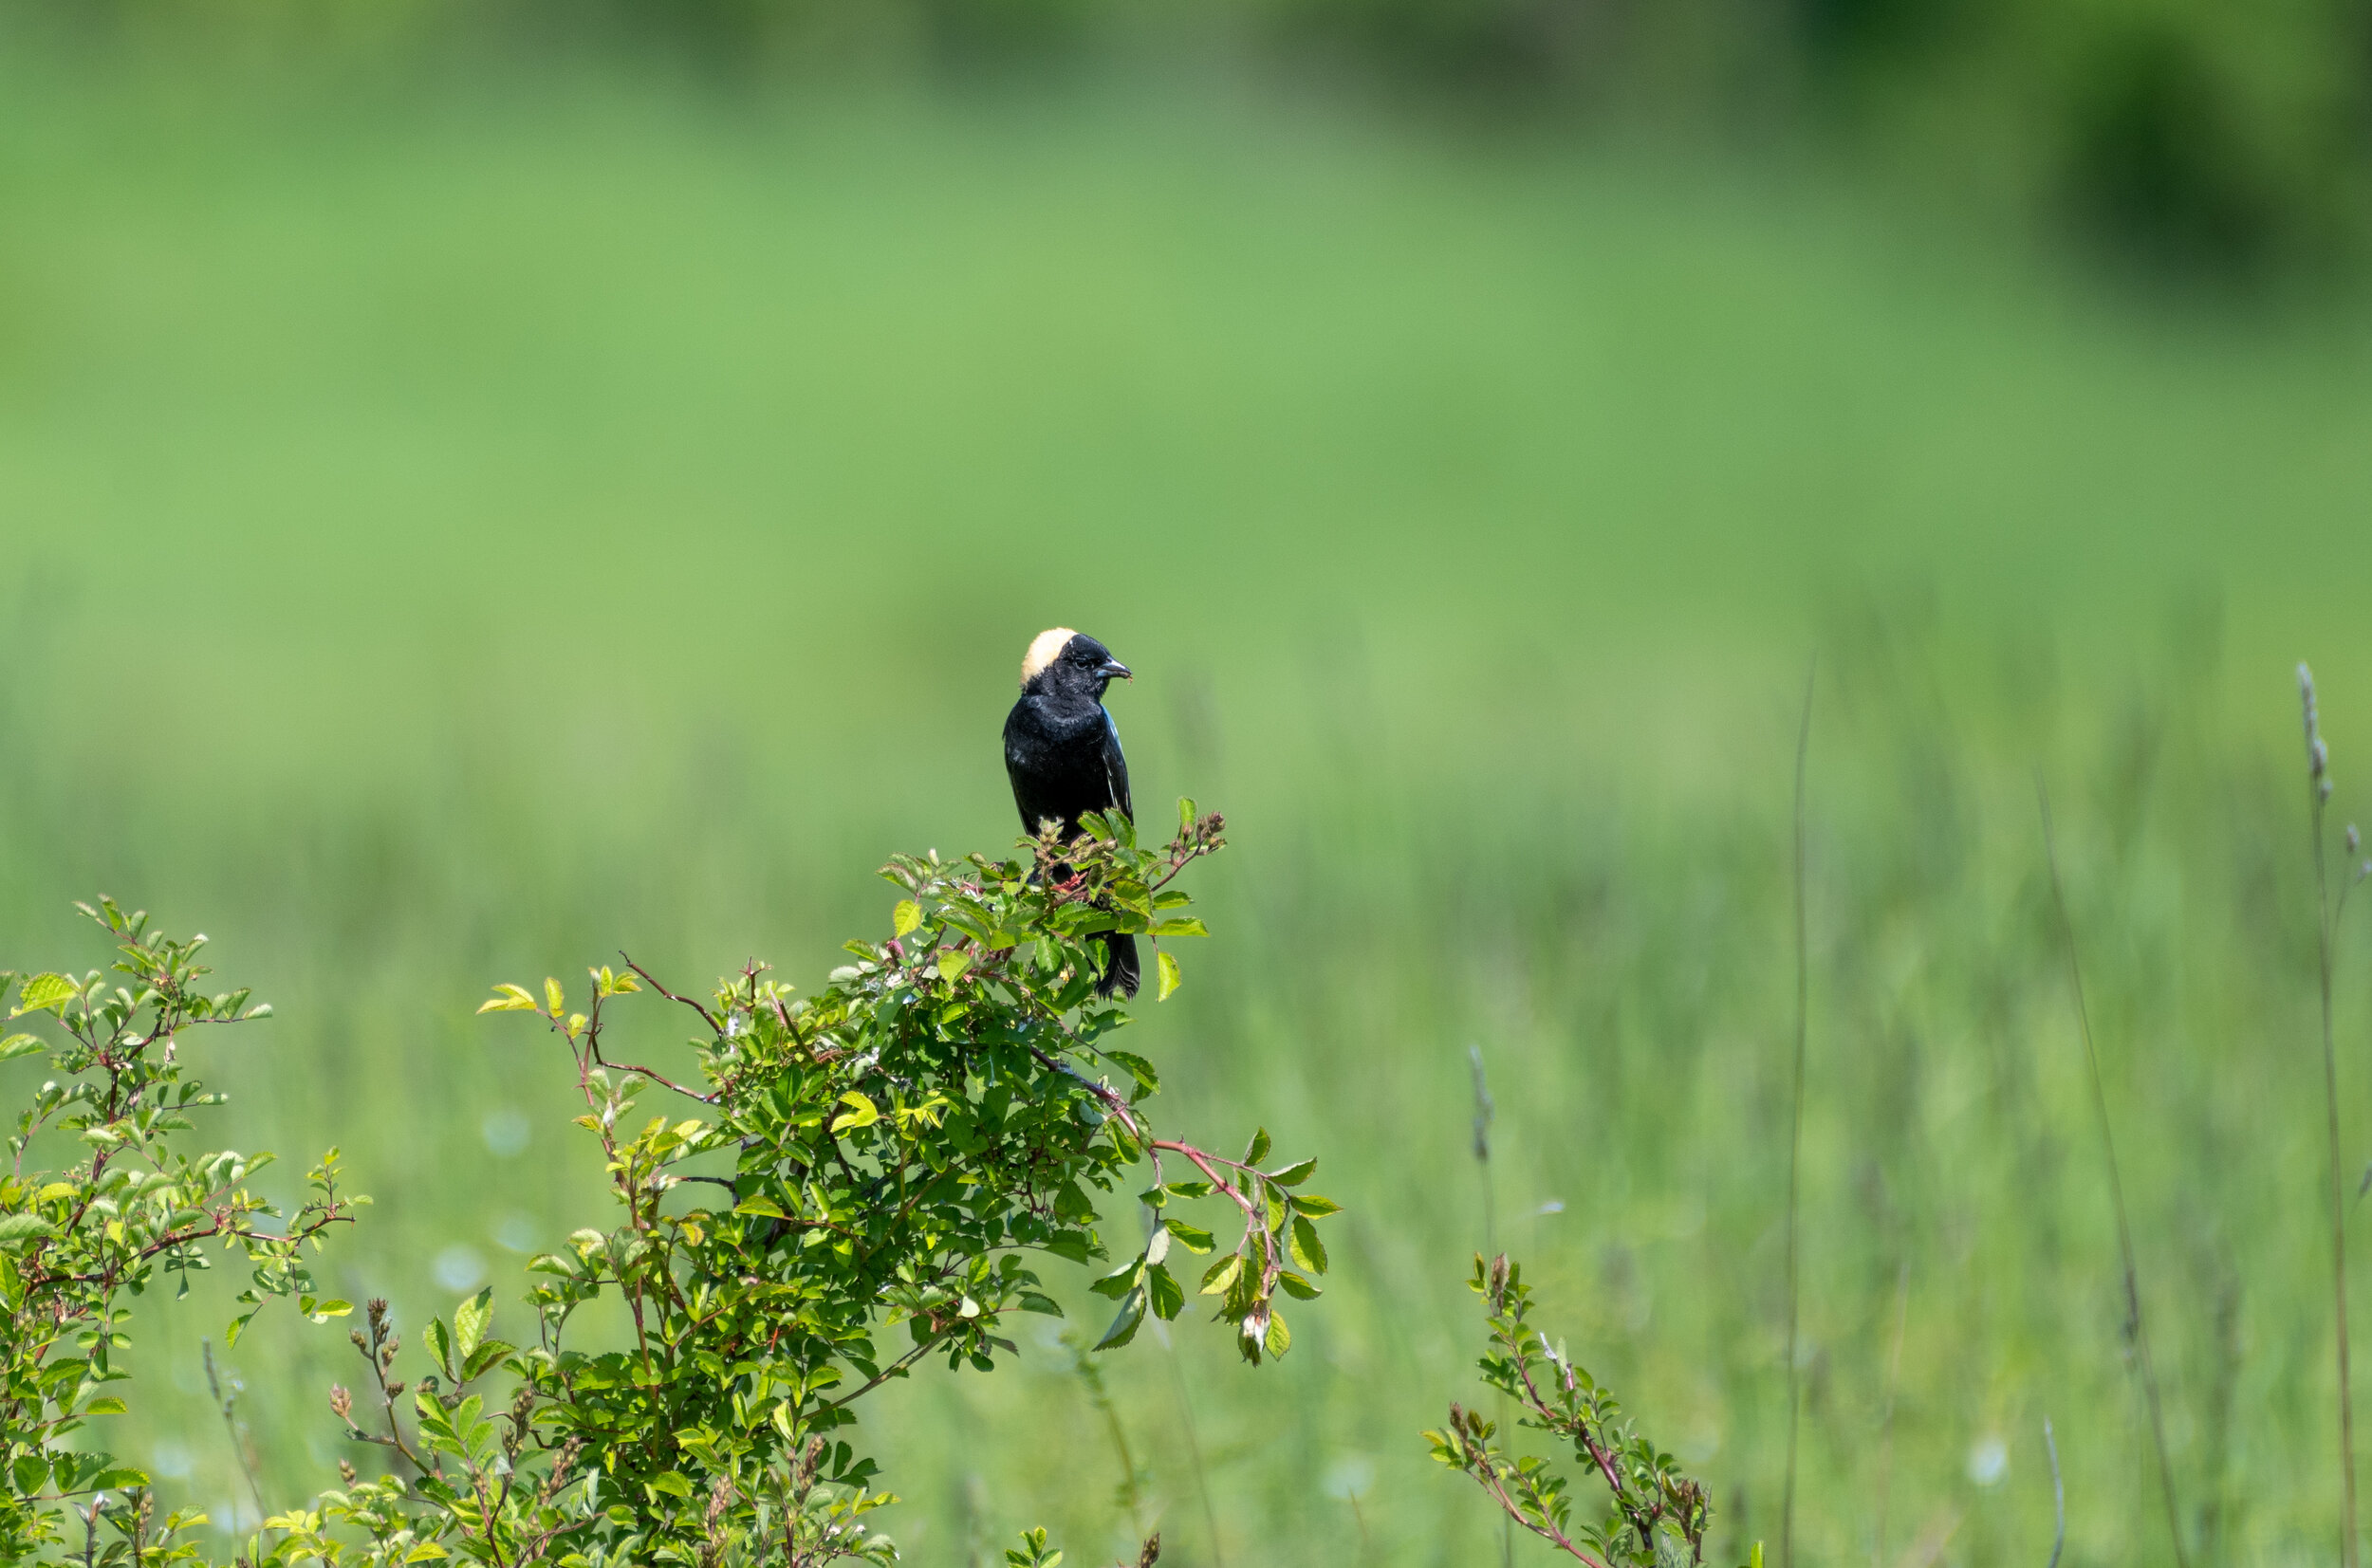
pixel 1064 756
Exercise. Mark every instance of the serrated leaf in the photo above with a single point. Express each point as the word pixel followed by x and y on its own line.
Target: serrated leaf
pixel 1222 1274
pixel 17 1045
pixel 952 963
pixel 763 1208
pixel 1166 1294
pixel 469 1319
pixel 1307 1249
pixel 1193 1238
pixel 105 1405
pixel 509 999
pixel 45 993
pixel 438 1338
pixel 1185 924
pixel 487 1354
pixel 1124 1327
pixel 905 917
pixel 862 1112
pixel 555 996
pixel 1167 966
pixel 1258 1149
pixel 1138 1068
pixel 1293 1175
pixel 1314 1206
pixel 1279 1339
pixel 15 1227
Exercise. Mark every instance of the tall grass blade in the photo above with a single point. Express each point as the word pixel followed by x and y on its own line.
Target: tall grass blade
pixel 1795 1127
pixel 2318 799
pixel 2116 1186
pixel 2058 1497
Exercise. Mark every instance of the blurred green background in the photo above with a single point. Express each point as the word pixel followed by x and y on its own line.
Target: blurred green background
pixel 482 488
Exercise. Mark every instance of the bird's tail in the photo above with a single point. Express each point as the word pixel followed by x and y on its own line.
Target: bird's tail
pixel 1121 975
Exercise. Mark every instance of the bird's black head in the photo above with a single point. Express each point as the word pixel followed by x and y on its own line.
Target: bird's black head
pixel 1061 662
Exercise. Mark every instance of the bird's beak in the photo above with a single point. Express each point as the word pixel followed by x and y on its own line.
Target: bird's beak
pixel 1112 668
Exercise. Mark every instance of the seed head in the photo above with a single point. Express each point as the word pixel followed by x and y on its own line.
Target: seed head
pixel 2355 839
pixel 341 1403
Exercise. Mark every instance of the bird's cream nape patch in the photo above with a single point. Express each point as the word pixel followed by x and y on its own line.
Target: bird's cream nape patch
pixel 1044 650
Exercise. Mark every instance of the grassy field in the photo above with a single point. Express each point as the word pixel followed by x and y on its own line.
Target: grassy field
pixel 452 532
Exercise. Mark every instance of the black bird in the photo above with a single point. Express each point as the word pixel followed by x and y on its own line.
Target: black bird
pixel 1064 756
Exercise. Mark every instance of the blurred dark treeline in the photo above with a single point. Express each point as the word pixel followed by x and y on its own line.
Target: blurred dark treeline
pixel 2215 140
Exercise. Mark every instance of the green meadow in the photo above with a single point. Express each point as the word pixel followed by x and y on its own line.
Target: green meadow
pixel 456 531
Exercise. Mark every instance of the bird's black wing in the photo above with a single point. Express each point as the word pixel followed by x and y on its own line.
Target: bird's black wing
pixel 1116 769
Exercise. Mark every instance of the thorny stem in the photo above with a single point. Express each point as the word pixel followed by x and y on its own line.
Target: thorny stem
pixel 1545 1530
pixel 2116 1195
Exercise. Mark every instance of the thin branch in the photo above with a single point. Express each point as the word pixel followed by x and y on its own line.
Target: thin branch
pixel 706 1017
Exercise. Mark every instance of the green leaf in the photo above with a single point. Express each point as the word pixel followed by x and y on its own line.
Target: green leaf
pixel 1193 1238
pixel 1279 1339
pixel 469 1319
pixel 862 1112
pixel 1168 967
pixel 953 962
pixel 905 917
pixel 1183 926
pixel 1258 1149
pixel 107 1405
pixel 1307 1249
pixel 1293 1175
pixel 1138 1068
pixel 1222 1274
pixel 440 1342
pixel 1167 1295
pixel 17 1045
pixel 488 1354
pixel 1295 1286
pixel 509 999
pixel 1314 1206
pixel 763 1208
pixel 673 1484
pixel 1124 1327
pixel 46 993
pixel 15 1227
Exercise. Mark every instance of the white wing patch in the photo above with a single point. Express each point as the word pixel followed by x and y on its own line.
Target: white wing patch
pixel 1044 650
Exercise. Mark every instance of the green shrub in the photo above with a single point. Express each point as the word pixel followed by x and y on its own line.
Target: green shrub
pixel 888 1158
pixel 135 1212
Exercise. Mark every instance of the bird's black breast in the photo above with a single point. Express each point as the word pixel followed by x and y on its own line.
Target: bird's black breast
pixel 1063 760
